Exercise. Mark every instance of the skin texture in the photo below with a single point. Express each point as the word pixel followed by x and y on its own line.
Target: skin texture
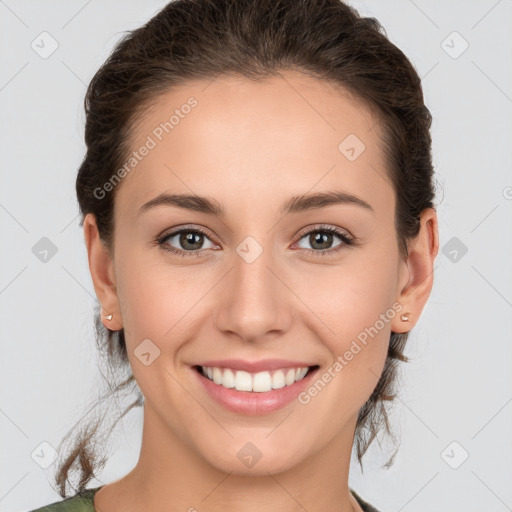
pixel 251 145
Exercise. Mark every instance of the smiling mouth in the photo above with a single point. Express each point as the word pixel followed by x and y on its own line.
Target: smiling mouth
pixel 254 382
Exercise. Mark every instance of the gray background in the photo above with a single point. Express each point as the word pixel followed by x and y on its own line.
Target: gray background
pixel 456 393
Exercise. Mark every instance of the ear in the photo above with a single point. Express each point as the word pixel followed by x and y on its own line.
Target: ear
pixel 417 272
pixel 101 267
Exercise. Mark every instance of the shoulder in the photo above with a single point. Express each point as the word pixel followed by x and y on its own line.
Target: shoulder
pixel 81 502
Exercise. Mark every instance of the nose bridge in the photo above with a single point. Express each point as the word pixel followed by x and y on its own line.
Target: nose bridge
pixel 252 303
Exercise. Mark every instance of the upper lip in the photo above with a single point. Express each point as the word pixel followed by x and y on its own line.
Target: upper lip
pixel 255 366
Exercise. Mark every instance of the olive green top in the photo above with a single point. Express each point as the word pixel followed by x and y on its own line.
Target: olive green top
pixel 84 502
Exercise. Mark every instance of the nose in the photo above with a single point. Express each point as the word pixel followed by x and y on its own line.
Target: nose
pixel 254 302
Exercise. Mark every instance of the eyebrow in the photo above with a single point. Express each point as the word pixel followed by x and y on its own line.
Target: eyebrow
pixel 294 205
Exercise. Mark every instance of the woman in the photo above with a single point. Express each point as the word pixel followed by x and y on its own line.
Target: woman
pixel 257 205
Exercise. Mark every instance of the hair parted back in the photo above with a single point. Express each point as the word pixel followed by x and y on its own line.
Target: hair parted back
pixel 206 39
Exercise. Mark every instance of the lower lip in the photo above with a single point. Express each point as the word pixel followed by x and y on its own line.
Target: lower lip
pixel 253 403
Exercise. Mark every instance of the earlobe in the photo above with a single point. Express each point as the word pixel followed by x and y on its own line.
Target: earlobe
pixel 101 268
pixel 420 266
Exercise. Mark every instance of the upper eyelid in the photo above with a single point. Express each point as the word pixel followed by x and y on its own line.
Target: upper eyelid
pixel 179 229
pixel 324 227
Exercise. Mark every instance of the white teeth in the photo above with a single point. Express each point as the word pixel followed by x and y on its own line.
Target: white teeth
pixel 243 381
pixel 290 377
pixel 228 379
pixel 262 381
pixel 256 382
pixel 278 381
pixel 301 373
pixel 217 376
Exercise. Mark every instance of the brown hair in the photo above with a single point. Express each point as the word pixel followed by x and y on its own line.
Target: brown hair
pixel 205 39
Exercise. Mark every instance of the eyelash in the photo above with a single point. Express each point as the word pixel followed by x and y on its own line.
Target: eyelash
pixel 348 242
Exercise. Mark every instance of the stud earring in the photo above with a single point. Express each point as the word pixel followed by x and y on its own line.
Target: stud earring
pixel 404 317
pixel 107 317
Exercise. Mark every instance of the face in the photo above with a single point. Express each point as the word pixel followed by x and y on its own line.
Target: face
pixel 306 283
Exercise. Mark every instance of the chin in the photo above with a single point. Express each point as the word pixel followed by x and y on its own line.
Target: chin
pixel 248 458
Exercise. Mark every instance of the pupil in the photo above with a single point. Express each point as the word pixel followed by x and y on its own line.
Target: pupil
pixel 188 238
pixel 326 237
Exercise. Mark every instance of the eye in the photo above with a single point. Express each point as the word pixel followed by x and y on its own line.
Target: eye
pixel 189 241
pixel 321 239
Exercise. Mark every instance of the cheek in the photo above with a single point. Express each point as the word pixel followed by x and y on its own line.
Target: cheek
pixel 352 297
pixel 358 313
pixel 155 301
pixel 158 299
pixel 354 303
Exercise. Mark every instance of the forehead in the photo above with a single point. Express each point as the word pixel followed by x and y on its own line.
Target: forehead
pixel 260 140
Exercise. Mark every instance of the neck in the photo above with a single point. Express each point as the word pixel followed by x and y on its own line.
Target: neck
pixel 171 475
